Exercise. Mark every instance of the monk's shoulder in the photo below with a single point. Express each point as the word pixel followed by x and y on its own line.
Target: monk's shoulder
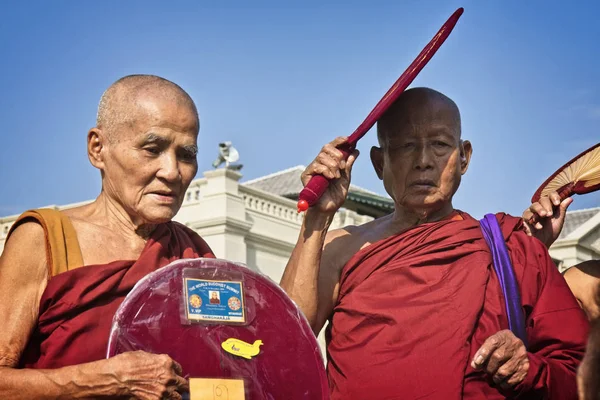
pixel 532 264
pixel 28 234
pixel 583 276
pixel 349 234
pixel 188 231
pixel 590 267
pixel 201 246
pixel 527 250
pixel 341 244
pixel 25 250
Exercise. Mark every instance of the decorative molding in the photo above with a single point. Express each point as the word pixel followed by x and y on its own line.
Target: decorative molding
pixel 225 225
pixel 228 173
pixel 266 243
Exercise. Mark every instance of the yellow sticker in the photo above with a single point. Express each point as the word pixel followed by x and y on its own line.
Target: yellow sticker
pixel 216 389
pixel 242 349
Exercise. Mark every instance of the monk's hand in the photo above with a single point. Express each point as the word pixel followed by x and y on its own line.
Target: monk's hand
pixel 148 376
pixel 331 164
pixel 503 357
pixel 550 212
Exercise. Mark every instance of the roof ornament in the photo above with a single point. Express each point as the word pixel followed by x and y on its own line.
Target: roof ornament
pixel 228 155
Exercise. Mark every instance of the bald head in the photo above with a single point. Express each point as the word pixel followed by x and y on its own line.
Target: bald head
pixel 416 108
pixel 121 102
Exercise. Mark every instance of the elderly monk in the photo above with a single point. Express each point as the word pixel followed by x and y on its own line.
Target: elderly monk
pixel 583 279
pixel 63 275
pixel 415 308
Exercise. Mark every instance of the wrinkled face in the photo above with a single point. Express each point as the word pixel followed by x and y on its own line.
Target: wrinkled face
pixel 150 163
pixel 422 157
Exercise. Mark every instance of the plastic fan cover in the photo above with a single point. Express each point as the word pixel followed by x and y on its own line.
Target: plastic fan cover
pixel 174 311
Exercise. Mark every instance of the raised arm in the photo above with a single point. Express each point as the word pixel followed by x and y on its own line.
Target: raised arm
pixel 311 276
pixel 23 277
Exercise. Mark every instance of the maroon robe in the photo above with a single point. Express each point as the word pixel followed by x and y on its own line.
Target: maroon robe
pixel 77 307
pixel 414 308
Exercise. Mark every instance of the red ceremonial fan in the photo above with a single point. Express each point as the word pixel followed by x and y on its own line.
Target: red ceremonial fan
pixel 579 176
pixel 317 185
pixel 231 329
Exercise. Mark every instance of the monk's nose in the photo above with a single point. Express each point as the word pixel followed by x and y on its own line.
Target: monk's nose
pixel 169 169
pixel 424 158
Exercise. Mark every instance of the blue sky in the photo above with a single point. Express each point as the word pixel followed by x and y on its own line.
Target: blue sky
pixel 280 79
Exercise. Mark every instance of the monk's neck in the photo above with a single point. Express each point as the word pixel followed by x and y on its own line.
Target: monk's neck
pixel 116 218
pixel 404 218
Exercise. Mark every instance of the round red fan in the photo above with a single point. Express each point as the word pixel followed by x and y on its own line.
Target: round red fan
pixel 579 176
pixel 271 354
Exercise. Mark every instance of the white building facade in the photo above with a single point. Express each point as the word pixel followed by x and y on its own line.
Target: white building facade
pixel 579 240
pixel 256 222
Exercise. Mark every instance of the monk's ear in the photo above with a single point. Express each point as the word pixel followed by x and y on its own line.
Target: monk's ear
pixel 466 150
pixel 377 160
pixel 96 143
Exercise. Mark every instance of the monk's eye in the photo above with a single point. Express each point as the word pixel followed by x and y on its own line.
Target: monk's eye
pixel 188 156
pixel 408 145
pixel 440 144
pixel 152 150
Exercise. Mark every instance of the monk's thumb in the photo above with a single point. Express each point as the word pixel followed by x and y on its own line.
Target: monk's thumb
pixel 351 158
pixel 565 204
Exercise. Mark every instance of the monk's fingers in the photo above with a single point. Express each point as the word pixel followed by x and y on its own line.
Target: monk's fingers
pixel 330 162
pixel 547 206
pixel 173 395
pixel 333 151
pixel 180 384
pixel 527 215
pixel 338 141
pixel 316 168
pixel 518 376
pixel 177 368
pixel 538 210
pixel 554 198
pixel 505 368
pixel 347 171
pixel 496 359
pixel 497 341
pixel 504 361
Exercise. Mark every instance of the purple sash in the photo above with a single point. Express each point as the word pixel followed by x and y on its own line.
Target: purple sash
pixel 506 275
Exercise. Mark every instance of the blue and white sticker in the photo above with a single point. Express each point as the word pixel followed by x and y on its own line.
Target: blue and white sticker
pixel 214 301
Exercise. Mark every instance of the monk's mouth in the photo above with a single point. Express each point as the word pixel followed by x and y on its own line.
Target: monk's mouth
pixel 423 183
pixel 164 197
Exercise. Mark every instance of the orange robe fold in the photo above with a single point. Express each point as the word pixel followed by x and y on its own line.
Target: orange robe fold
pixel 77 307
pixel 414 308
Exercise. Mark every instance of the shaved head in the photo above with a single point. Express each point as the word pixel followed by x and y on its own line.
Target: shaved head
pixel 421 157
pixel 121 101
pixel 145 145
pixel 415 107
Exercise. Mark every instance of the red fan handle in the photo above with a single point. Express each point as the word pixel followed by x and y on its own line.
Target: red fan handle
pixel 317 185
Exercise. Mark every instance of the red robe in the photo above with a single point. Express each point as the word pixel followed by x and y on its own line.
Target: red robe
pixel 414 308
pixel 77 307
